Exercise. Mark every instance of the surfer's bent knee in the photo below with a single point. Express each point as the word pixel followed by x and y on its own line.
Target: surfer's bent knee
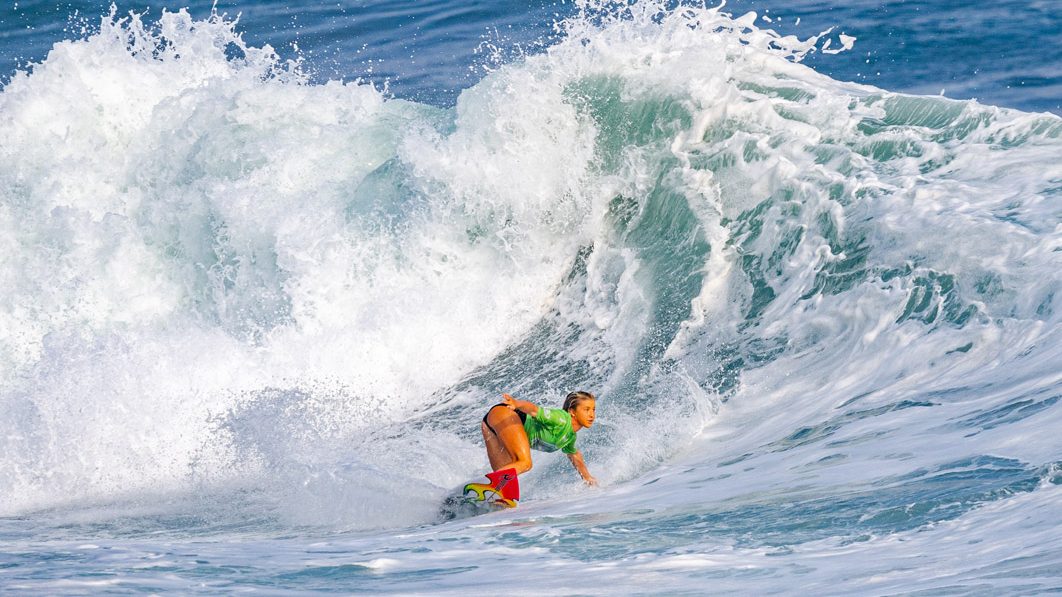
pixel 521 466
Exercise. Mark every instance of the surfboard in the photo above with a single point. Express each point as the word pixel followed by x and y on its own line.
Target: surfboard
pixel 473 499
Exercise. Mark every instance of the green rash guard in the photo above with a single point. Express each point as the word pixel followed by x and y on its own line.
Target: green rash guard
pixel 550 429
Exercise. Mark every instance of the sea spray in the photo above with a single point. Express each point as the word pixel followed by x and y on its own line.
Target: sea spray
pixel 209 232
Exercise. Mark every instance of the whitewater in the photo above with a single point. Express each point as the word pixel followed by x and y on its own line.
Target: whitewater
pixel 250 320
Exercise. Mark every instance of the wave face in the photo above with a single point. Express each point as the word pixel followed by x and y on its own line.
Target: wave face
pixel 821 317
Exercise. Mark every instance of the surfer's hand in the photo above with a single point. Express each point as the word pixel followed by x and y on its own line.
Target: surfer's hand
pixel 591 481
pixel 509 401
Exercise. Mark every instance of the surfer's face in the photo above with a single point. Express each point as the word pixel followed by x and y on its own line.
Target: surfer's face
pixel 584 413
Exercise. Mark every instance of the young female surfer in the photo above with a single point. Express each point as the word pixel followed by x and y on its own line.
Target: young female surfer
pixel 512 428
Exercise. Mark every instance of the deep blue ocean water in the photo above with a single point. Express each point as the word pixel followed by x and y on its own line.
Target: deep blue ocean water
pixel 262 276
pixel 1002 53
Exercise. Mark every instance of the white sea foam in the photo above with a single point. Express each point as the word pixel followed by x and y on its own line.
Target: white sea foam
pixel 190 229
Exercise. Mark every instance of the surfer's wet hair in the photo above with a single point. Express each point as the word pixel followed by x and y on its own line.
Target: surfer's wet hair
pixel 574 399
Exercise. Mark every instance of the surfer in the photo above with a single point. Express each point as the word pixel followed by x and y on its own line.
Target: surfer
pixel 513 427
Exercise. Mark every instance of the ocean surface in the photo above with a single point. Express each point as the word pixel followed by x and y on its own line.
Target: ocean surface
pixel 263 268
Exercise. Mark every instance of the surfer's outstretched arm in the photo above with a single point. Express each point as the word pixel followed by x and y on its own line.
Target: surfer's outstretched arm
pixel 521 405
pixel 580 465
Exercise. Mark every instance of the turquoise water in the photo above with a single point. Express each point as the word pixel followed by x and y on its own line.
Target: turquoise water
pixel 262 278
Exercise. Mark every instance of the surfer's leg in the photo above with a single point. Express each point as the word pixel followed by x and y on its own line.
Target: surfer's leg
pixel 506 440
pixel 496 452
